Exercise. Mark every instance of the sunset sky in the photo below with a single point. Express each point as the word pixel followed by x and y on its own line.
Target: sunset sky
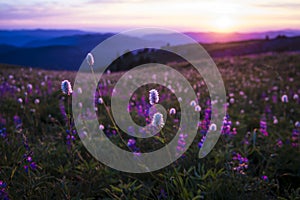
pixel 182 15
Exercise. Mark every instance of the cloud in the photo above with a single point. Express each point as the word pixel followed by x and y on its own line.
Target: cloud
pixel 279 5
pixel 114 1
pixel 23 12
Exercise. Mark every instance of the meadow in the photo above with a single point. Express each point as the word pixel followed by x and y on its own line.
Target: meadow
pixel 256 157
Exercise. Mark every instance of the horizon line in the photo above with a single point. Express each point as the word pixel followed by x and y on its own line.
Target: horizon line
pixel 107 31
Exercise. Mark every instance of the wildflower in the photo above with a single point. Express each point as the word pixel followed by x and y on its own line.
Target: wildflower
pixel 275 120
pixel 279 143
pixel 3 133
pixel 213 127
pixel 297 124
pixel 101 127
pixel 33 165
pixel 36 101
pixel 62 108
pixel 130 129
pixel 241 165
pixel 100 100
pixel 17 121
pixel 231 100
pixel 295 97
pixel 29 87
pixel 193 103
pixel 3 193
pixel 70 137
pixel 263 127
pixel 172 111
pixel 200 144
pixel 66 87
pixel 30 164
pixel 181 143
pixel 295 137
pixel 90 59
pixel 284 99
pixel 137 154
pixel 158 120
pixel 153 96
pixel 20 100
pixel 265 178
pixel 79 90
pixel 83 134
pixel 162 194
pixel 131 143
pixel 197 108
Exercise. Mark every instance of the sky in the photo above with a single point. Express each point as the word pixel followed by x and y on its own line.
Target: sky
pixel 180 15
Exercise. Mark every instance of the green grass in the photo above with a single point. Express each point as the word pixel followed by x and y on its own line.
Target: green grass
pixel 70 172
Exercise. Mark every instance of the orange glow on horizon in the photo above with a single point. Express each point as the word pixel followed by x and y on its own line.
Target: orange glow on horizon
pixel 190 15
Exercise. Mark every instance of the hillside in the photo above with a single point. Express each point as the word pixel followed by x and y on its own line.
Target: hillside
pixel 68 52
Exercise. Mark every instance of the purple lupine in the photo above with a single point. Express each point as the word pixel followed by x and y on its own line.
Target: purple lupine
pixel 17 121
pixel 3 133
pixel 131 144
pixel 71 136
pixel 265 178
pixel 162 194
pixel 62 108
pixel 279 143
pixel 295 138
pixel 263 127
pixel 181 143
pixel 3 193
pixel 28 156
pixel 274 99
pixel 200 144
pixel 240 163
pixel 226 128
pixel 206 121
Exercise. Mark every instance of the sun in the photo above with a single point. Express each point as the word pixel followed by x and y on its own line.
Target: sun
pixel 224 24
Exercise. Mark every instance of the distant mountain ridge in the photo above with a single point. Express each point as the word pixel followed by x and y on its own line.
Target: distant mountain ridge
pixel 66 49
pixel 44 37
pixel 22 37
pixel 213 37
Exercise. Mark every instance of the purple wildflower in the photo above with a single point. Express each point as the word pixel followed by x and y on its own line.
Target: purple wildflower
pixel 240 163
pixel 200 144
pixel 3 193
pixel 265 178
pixel 263 127
pixel 181 143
